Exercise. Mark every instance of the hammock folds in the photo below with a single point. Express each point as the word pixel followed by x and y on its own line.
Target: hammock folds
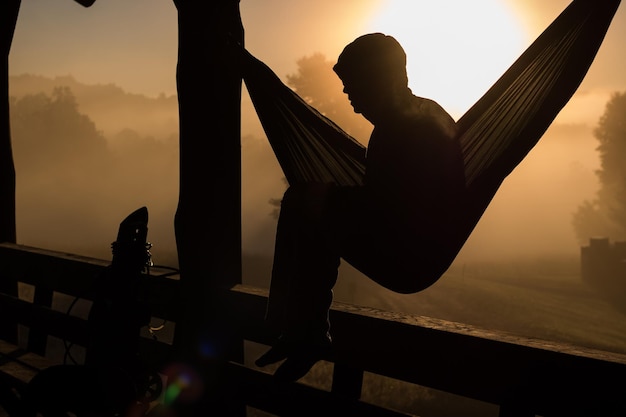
pixel 495 134
pixel 309 146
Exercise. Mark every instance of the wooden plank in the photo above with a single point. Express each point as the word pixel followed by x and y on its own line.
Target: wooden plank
pixel 54 323
pixel 41 262
pixel 7 348
pixel 549 378
pixel 20 366
pixel 66 273
pixel 152 353
pixel 14 373
pixel 74 275
pixel 259 390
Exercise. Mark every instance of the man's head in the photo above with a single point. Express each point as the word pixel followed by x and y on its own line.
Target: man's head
pixel 373 71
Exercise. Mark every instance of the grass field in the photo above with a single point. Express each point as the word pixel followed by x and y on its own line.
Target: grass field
pixel 544 299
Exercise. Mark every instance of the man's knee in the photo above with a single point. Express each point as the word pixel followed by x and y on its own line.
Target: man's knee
pixel 308 201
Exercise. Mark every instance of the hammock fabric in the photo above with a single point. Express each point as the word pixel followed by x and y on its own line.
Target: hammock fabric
pixel 495 134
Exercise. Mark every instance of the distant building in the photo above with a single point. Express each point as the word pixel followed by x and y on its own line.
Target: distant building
pixel 603 266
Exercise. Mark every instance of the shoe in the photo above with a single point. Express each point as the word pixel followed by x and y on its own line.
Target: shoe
pixel 299 357
pixel 279 351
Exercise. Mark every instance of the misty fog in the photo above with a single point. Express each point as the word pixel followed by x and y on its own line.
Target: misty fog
pixel 67 209
pixel 82 168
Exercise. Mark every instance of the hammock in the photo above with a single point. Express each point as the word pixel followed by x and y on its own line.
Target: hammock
pixel 495 134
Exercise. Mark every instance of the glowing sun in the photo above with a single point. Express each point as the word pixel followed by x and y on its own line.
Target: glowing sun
pixel 456 49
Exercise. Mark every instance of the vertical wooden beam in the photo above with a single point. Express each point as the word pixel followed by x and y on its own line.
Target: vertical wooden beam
pixel 38 338
pixel 9 10
pixel 8 18
pixel 208 216
pixel 347 381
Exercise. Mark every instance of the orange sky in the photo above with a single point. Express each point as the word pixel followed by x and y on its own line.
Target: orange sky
pixel 133 44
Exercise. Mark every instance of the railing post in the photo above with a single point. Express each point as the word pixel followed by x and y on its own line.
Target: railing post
pixel 38 339
pixel 208 216
pixel 347 381
pixel 8 18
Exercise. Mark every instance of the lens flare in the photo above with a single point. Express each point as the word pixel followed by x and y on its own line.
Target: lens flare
pixel 184 384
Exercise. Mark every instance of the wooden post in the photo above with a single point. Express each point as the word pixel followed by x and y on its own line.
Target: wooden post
pixel 208 216
pixel 347 381
pixel 8 18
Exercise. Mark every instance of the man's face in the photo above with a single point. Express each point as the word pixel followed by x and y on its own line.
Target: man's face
pixel 366 93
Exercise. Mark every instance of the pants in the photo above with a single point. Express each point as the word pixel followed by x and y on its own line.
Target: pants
pixel 318 225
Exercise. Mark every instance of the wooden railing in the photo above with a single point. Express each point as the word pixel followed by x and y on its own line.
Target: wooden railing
pixel 524 377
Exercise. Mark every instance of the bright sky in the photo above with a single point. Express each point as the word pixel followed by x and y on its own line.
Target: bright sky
pixel 456 48
pixel 450 57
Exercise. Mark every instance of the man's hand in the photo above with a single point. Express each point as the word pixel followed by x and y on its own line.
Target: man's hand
pixel 85 3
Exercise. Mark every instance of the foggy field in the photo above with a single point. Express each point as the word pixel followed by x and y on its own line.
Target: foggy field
pixel 543 299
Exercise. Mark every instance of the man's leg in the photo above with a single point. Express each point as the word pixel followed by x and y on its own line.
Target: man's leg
pixel 305 263
pixel 304 273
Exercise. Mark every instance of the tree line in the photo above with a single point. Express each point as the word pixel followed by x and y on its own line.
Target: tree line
pixel 605 214
pixel 74 185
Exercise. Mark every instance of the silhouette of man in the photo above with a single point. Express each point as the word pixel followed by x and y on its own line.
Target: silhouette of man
pixel 397 228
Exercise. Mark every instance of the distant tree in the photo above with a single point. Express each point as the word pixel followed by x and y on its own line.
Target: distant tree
pixel 74 183
pixel 318 85
pixel 49 131
pixel 606 214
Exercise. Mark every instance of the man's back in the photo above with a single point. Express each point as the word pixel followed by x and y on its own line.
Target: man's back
pixel 414 163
